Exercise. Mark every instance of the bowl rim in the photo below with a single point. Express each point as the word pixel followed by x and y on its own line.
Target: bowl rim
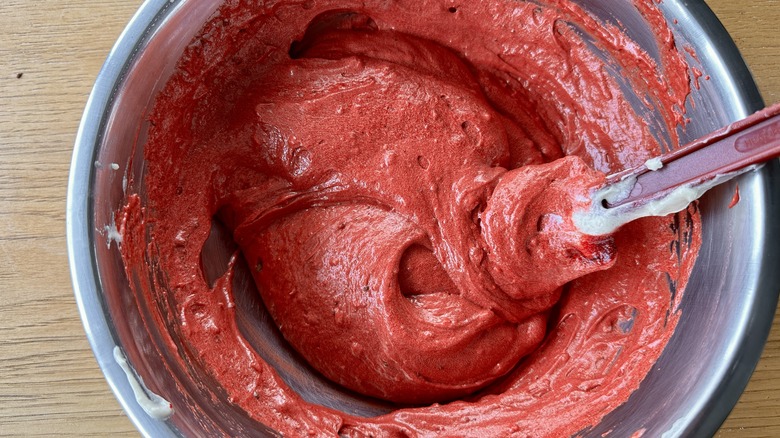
pixel 79 221
pixel 80 225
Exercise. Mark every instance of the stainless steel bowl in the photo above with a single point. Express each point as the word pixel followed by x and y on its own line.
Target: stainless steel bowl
pixel 726 312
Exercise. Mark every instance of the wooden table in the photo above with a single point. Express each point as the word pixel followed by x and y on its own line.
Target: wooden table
pixel 50 54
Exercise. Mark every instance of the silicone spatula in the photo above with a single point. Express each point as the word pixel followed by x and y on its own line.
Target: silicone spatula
pixel 668 183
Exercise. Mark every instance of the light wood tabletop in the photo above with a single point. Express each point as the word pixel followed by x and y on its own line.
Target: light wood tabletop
pixel 50 54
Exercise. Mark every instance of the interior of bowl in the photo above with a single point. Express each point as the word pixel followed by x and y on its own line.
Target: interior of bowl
pixel 725 313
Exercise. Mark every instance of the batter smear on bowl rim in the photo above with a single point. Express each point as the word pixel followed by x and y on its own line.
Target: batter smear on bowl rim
pixel 400 178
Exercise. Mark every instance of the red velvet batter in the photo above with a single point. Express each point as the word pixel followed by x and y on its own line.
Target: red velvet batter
pixel 401 176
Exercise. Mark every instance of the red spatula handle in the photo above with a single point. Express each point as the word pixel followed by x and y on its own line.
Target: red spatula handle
pixel 750 141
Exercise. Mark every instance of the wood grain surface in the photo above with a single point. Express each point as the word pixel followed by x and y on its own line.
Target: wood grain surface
pixel 50 54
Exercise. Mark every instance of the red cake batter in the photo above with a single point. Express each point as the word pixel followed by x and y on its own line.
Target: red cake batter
pixel 400 176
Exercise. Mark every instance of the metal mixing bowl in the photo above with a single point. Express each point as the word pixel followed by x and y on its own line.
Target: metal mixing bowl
pixel 726 312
